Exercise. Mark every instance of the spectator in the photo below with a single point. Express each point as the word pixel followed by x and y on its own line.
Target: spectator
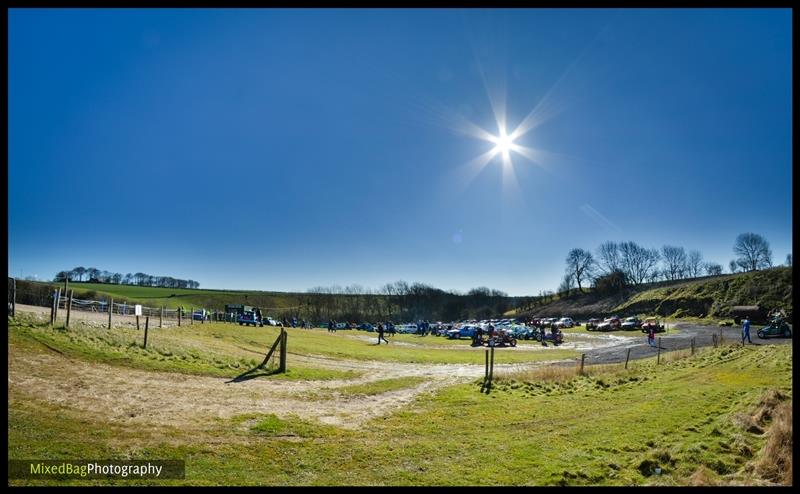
pixel 380 334
pixel 746 330
pixel 651 335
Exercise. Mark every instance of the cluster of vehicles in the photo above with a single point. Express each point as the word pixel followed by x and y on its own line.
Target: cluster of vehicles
pixel 615 323
pixel 251 318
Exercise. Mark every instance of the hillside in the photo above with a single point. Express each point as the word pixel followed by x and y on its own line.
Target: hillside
pixel 706 297
pixel 176 297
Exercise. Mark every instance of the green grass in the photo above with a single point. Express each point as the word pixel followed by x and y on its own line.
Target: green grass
pixel 173 298
pixel 189 351
pixel 603 429
pixel 713 297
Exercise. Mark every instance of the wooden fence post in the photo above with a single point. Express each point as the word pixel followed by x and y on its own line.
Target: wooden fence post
pixel 13 297
pixel 69 308
pixel 284 335
pixel 146 326
pixel 486 370
pixel 110 310
pixel 137 323
pixel 191 316
pixel 53 307
pixel 58 301
pixel 202 316
pixel 583 359
pixel 627 357
pixel 658 360
pixel 179 317
pixel 491 368
pixel 161 318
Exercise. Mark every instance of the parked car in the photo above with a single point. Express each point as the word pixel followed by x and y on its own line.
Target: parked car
pixel 406 328
pixel 249 318
pixel 631 323
pixel 592 323
pixel 610 324
pixel 519 331
pixel 652 321
pixel 366 327
pixel 565 322
pixel 465 331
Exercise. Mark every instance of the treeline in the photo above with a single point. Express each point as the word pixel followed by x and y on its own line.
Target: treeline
pixel 95 275
pixel 615 265
pixel 402 301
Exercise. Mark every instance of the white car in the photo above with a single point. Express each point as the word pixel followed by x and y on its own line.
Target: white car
pixel 565 322
pixel 406 328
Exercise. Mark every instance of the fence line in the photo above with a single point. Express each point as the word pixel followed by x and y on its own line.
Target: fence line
pixel 59 304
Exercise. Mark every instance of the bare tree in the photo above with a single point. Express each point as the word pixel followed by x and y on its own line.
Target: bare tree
pixel 753 252
pixel 713 269
pixel 127 279
pixel 580 266
pixel 694 264
pixel 567 283
pixel 674 262
pixel 637 262
pixel 116 278
pixel 733 266
pixel 608 257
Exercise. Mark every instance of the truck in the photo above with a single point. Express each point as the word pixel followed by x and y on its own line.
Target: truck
pixel 248 318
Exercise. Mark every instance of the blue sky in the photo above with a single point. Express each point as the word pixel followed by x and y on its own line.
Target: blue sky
pixel 285 149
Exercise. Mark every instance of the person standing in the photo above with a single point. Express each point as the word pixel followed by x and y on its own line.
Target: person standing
pixel 380 334
pixel 746 330
pixel 330 325
pixel 651 335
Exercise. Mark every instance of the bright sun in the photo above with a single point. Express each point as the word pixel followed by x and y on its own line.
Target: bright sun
pixel 503 143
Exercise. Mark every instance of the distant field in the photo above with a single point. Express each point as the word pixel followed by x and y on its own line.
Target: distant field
pixel 181 297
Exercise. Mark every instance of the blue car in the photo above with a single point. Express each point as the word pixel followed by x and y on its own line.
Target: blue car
pixel 462 332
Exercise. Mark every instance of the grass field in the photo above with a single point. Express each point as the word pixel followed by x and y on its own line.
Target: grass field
pixel 702 419
pixel 180 297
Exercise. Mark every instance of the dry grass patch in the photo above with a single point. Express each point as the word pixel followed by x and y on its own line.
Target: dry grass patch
pixel 775 459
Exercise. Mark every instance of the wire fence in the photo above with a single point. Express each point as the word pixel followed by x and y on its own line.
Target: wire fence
pixel 62 305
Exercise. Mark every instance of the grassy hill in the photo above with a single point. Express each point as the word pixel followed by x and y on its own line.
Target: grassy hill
pixel 176 297
pixel 710 297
